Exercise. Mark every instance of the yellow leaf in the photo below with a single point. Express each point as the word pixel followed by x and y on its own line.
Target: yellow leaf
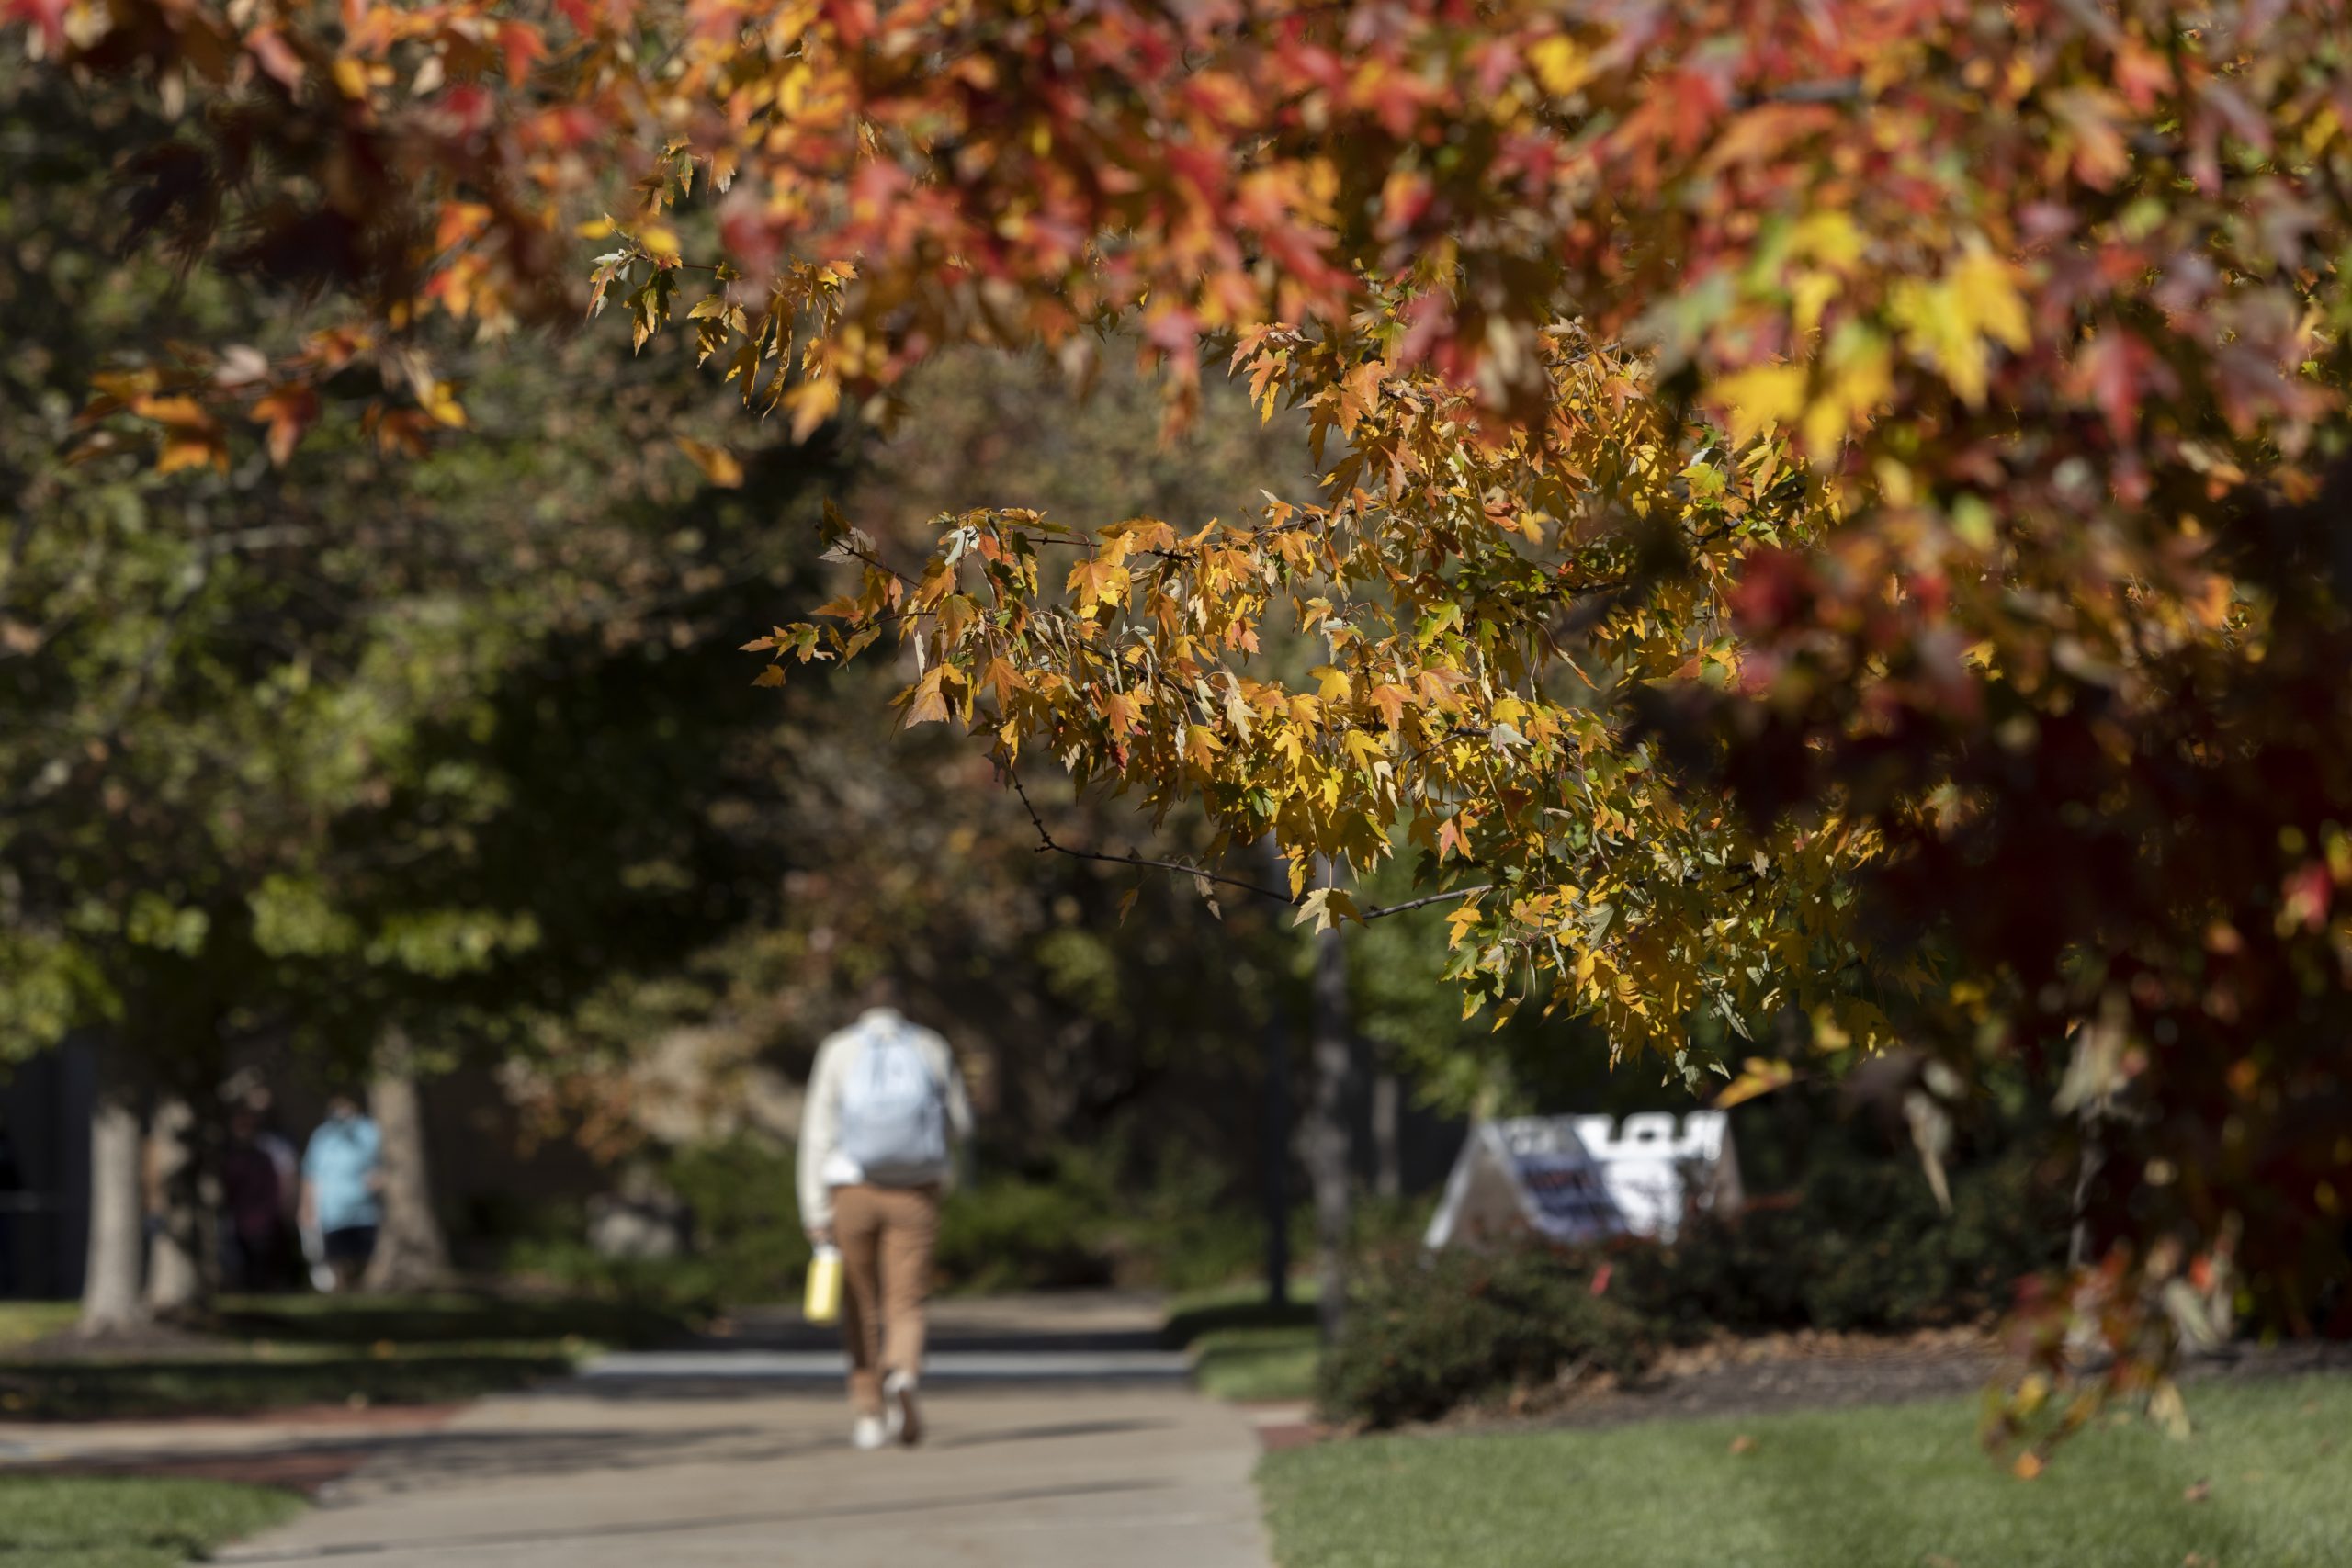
pixel 1829 237
pixel 1758 1077
pixel 812 403
pixel 440 400
pixel 1986 286
pixel 1325 906
pixel 1560 65
pixel 926 703
pixel 1860 377
pixel 1760 397
pixel 659 240
pixel 1949 322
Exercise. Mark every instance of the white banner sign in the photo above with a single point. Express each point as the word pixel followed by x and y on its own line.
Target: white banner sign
pixel 1579 1178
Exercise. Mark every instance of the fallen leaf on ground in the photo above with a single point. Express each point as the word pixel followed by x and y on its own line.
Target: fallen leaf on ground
pixel 2197 1492
pixel 1742 1444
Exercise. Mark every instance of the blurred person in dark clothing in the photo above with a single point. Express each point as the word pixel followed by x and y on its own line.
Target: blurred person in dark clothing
pixel 253 1196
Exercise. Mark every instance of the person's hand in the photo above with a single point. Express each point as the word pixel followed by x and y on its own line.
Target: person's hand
pixel 820 1235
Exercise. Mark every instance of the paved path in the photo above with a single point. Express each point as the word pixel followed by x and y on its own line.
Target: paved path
pixel 1137 1477
pixel 739 1456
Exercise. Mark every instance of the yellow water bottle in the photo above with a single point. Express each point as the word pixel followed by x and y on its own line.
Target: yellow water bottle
pixel 822 1302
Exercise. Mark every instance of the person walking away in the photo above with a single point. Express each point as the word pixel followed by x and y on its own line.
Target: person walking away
pixel 287 1161
pixel 343 1183
pixel 886 1112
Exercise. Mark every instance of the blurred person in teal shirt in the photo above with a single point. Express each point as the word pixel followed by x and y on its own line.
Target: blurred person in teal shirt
pixel 343 1183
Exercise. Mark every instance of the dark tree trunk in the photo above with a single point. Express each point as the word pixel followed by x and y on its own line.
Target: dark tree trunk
pixel 410 1252
pixel 2092 1159
pixel 1387 1134
pixel 1327 1128
pixel 1277 1158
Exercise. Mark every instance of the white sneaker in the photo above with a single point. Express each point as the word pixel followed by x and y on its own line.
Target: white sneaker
pixel 899 1413
pixel 868 1434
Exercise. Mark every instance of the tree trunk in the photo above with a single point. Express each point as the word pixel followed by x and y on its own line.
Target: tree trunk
pixel 1277 1158
pixel 110 1298
pixel 177 1279
pixel 2092 1158
pixel 410 1252
pixel 1387 1135
pixel 1327 1128
pixel 1275 1117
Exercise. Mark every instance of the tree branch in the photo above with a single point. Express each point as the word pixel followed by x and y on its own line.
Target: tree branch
pixel 1045 842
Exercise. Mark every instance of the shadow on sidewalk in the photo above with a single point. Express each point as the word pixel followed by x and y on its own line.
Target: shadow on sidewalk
pixel 894 1508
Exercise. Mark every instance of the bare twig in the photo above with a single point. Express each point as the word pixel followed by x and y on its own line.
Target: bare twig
pixel 1380 912
pixel 1045 842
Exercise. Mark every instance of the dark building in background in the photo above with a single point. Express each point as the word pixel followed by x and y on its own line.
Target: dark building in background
pixel 45 1177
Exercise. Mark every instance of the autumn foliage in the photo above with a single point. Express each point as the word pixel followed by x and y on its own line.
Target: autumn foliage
pixel 1828 526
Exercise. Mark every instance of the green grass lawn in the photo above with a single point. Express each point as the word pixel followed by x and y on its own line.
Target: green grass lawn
pixel 1245 1349
pixel 1900 1487
pixel 72 1523
pixel 273 1352
pixel 23 1321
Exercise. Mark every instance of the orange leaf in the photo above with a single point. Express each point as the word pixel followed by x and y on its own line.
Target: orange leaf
pixel 718 465
pixel 288 411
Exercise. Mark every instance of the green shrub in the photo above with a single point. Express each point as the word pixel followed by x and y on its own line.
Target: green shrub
pixel 747 1244
pixel 1426 1334
pixel 1188 1230
pixel 1011 1233
pixel 1859 1245
pixel 1083 1216
pixel 746 1205
pixel 568 1266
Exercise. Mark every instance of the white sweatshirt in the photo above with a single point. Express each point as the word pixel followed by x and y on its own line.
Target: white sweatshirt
pixel 823 1165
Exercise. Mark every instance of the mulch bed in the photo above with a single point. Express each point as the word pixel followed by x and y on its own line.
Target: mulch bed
pixel 1772 1374
pixel 1780 1373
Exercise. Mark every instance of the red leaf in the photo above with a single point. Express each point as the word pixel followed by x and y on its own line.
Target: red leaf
pixel 524 48
pixel 48 16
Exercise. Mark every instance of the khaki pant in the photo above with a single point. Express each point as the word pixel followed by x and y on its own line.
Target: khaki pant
pixel 885 1234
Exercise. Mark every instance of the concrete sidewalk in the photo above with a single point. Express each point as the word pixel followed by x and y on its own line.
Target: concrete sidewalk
pixel 615 1473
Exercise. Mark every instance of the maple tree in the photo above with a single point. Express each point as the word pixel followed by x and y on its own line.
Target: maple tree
pixel 1808 488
